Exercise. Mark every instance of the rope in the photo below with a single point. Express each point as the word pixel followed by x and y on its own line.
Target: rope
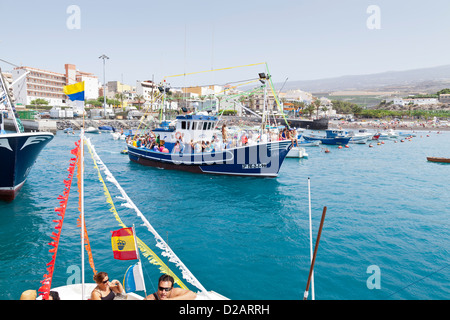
pixel 221 69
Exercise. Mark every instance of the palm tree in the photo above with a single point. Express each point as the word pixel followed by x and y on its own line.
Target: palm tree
pixel 120 96
pixel 310 109
pixel 316 104
pixel 139 98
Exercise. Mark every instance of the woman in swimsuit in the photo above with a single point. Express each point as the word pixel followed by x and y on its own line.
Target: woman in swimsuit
pixel 105 290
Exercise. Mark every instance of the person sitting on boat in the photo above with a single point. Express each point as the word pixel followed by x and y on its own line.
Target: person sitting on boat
pixel 166 291
pixel 294 138
pixel 105 289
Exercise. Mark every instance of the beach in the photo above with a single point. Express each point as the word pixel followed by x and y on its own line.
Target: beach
pixel 395 125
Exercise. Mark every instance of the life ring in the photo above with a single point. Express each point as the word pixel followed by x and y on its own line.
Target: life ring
pixel 178 135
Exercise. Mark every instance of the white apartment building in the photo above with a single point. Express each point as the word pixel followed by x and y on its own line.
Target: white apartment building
pixel 416 101
pixel 49 85
pixel 145 89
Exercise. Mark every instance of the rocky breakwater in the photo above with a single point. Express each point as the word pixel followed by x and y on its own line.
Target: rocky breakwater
pixel 117 124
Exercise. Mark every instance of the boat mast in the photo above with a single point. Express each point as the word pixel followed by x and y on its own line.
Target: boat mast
pixel 9 103
pixel 263 78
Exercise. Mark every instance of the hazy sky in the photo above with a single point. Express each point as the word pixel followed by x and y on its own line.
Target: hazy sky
pixel 299 40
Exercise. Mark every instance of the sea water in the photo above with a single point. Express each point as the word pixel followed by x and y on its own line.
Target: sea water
pixel 385 233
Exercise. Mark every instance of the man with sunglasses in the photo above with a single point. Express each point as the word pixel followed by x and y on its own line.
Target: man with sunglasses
pixel 166 291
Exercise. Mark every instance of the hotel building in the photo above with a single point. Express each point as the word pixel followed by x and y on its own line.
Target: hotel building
pixel 48 85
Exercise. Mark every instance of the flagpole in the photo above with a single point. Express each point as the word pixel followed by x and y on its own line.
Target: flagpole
pixel 139 258
pixel 310 238
pixel 82 212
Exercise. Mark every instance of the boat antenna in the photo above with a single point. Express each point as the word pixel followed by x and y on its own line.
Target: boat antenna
pixel 305 295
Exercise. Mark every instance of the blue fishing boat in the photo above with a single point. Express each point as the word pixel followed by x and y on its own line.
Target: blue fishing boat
pixel 332 137
pixel 107 129
pixel 180 149
pixel 18 150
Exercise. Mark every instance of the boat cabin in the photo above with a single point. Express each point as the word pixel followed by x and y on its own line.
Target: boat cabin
pixel 187 128
pixel 335 133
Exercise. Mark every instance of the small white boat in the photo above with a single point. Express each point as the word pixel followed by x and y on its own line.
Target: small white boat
pixel 297 152
pixel 360 137
pixel 118 136
pixel 92 130
pixel 389 134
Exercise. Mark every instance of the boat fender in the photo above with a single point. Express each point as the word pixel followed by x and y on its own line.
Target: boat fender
pixel 178 135
pixel 340 147
pixel 165 150
pixel 346 146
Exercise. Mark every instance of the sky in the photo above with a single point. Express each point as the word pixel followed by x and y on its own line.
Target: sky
pixel 297 39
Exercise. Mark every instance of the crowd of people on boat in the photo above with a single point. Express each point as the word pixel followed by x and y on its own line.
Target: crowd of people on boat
pixel 227 140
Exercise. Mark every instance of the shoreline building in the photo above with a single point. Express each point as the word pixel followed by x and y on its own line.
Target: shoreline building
pixel 48 85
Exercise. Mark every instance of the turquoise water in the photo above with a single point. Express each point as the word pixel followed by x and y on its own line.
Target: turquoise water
pixel 248 238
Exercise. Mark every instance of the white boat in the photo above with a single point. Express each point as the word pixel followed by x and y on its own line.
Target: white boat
pixel 118 136
pixel 297 152
pixel 75 292
pixel 360 137
pixel 92 130
pixel 389 134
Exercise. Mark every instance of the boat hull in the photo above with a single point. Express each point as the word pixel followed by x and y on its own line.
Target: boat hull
pixel 441 160
pixel 18 153
pixel 316 124
pixel 262 160
pixel 328 141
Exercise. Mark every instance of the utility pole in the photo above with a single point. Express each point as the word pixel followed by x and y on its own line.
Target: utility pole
pixel 104 57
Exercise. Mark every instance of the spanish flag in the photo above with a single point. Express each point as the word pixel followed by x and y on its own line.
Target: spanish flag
pixel 75 92
pixel 123 244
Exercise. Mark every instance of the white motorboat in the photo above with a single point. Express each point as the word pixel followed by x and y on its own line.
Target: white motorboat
pixel 297 152
pixel 92 130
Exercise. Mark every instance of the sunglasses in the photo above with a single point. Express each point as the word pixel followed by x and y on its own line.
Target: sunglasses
pixel 105 281
pixel 164 289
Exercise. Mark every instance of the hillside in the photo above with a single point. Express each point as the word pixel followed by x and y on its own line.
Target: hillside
pixel 425 80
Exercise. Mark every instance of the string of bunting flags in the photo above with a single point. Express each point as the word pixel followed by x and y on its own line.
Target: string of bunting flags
pixel 44 290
